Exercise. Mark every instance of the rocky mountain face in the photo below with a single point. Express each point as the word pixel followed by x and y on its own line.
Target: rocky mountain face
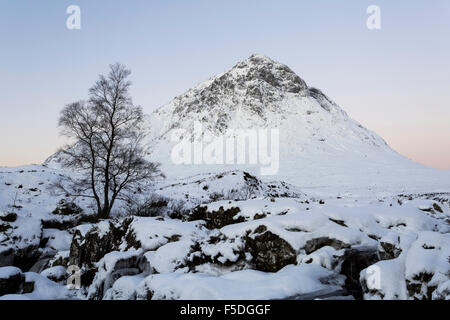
pixel 259 93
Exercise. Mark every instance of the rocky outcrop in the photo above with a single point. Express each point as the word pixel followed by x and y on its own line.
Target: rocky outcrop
pixel 98 241
pixel 86 249
pixel 389 250
pixel 8 216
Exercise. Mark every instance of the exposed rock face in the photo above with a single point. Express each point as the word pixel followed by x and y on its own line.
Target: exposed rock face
pixel 216 219
pixel 389 250
pixel 100 240
pixel 354 261
pixel 270 252
pixel 8 216
pixel 315 244
pixel 254 82
pixel 11 280
pixel 89 248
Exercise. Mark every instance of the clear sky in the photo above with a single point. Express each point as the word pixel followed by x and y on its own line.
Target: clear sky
pixel 395 81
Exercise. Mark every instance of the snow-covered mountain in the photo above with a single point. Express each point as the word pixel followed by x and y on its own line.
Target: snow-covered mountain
pixel 319 144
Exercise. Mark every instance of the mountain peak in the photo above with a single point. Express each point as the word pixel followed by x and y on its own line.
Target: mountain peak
pixel 267 72
pixel 257 91
pixel 259 58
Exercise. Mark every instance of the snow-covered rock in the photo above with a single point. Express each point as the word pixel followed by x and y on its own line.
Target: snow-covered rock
pixel 11 280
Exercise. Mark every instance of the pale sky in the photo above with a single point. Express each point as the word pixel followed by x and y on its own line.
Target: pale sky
pixel 395 81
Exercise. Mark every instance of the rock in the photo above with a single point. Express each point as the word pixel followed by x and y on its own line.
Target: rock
pixel 113 266
pixel 21 242
pixel 41 264
pixel 437 207
pixel 216 219
pixel 389 246
pixel 28 287
pixel 388 251
pixel 270 252
pixel 60 259
pixel 354 261
pixel 11 280
pixel 25 258
pixel 56 274
pixel 89 247
pixel 6 256
pixel 103 238
pixel 317 243
pixel 8 216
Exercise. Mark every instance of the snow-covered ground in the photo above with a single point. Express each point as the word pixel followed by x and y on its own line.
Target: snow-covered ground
pixel 264 241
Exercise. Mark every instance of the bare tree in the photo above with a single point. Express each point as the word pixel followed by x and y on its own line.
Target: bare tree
pixel 108 149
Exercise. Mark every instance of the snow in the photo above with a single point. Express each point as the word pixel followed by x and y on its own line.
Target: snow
pixel 386 277
pixel 314 222
pixel 7 272
pixel 430 253
pixel 169 256
pixel 152 233
pixel 239 285
pixel 124 288
pixel 44 289
pixel 57 272
pixel 58 239
pixel 112 262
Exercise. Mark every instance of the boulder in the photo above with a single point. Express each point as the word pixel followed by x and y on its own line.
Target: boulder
pixel 111 267
pixel 56 274
pixel 270 252
pixel 216 219
pixel 21 240
pixel 353 262
pixel 11 280
pixel 8 216
pixel 317 243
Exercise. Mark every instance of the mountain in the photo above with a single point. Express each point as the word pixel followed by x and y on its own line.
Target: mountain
pixel 319 144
